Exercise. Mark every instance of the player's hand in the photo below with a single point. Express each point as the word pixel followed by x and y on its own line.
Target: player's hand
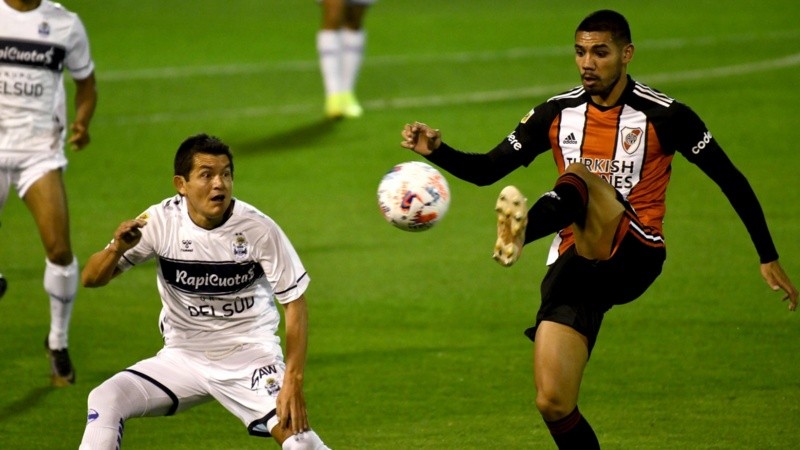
pixel 127 235
pixel 421 138
pixel 79 137
pixel 777 279
pixel 291 407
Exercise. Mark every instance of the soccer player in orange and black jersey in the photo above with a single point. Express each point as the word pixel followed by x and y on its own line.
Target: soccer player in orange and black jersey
pixel 613 140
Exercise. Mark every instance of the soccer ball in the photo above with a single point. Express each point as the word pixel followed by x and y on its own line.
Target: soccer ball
pixel 413 196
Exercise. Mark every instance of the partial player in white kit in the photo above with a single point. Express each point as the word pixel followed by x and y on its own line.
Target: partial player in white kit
pixel 341 41
pixel 38 40
pixel 221 265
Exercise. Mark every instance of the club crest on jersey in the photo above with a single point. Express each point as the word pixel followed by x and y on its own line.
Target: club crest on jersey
pixel 631 138
pixel 239 247
pixel 44 29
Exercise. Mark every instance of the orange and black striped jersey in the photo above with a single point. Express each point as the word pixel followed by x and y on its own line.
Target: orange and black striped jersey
pixel 630 145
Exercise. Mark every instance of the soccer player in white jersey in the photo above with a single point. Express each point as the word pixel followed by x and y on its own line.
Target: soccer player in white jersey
pixel 613 140
pixel 38 40
pixel 340 46
pixel 222 265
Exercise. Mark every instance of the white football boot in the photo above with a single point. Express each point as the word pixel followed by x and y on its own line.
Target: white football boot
pixel 512 218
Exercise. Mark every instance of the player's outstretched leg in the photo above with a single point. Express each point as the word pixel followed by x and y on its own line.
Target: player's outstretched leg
pixel 3 285
pixel 512 219
pixel 554 210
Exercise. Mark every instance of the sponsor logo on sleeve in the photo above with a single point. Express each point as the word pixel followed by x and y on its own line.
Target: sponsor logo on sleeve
pixel 701 144
pixel 515 143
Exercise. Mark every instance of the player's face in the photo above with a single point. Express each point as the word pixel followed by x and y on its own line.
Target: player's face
pixel 602 63
pixel 208 190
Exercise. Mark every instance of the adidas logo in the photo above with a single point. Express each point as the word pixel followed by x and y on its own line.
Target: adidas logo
pixel 570 139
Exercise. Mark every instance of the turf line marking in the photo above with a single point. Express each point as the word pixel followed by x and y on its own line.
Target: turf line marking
pixel 164 73
pixel 448 100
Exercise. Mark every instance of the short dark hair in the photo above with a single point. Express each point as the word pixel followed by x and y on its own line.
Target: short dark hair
pixel 199 143
pixel 607 20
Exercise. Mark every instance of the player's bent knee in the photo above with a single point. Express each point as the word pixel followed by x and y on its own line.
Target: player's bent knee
pixel 107 395
pixel 120 395
pixel 578 169
pixel 552 408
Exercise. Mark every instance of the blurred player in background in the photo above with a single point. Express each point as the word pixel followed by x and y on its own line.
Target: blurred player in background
pixel 38 40
pixel 221 266
pixel 340 44
pixel 613 140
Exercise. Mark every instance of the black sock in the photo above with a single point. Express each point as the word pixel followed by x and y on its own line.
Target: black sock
pixel 564 205
pixel 573 432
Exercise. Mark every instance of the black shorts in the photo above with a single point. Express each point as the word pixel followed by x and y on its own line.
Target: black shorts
pixel 577 291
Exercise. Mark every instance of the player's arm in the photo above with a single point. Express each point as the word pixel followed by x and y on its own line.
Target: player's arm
pixel 291 404
pixel 101 267
pixel 777 279
pixel 421 138
pixel 712 160
pixel 481 169
pixel 85 104
pixel 744 201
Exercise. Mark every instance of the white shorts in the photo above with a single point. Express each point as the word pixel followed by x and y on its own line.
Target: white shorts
pixel 245 381
pixel 22 169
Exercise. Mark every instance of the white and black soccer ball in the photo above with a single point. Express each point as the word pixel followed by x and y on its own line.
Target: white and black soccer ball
pixel 413 196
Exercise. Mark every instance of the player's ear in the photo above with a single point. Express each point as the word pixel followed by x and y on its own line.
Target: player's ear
pixel 627 53
pixel 180 184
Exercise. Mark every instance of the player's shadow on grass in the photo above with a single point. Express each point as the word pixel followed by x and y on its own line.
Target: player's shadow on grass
pixel 26 403
pixel 300 136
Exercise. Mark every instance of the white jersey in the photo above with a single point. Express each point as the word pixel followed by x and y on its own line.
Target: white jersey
pixel 218 287
pixel 35 48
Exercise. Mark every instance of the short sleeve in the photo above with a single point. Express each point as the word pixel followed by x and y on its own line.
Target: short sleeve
pixel 282 266
pixel 79 60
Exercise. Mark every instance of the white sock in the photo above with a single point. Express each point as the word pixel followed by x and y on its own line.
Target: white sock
pixel 102 437
pixel 329 49
pixel 353 44
pixel 61 284
pixel 307 440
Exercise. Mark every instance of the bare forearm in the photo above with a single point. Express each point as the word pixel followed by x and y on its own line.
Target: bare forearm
pixel 291 405
pixel 296 338
pixel 100 268
pixel 85 100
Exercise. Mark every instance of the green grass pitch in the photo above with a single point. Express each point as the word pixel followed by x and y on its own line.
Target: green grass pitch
pixel 416 338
